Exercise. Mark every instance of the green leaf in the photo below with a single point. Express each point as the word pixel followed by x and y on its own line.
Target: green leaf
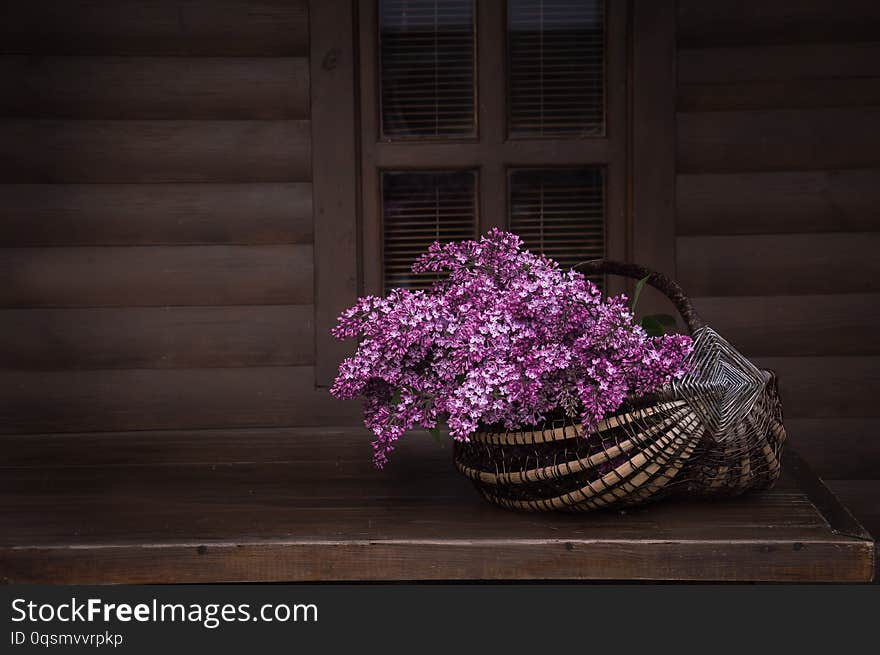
pixel 665 320
pixel 435 432
pixel 395 399
pixel 637 292
pixel 652 327
pixel 658 324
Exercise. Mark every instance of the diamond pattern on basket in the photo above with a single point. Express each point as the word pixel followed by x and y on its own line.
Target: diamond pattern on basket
pixel 720 385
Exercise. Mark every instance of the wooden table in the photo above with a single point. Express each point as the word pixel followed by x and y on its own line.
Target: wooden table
pixel 306 505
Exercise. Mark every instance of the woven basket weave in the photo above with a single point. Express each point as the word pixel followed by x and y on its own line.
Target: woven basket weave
pixel 715 432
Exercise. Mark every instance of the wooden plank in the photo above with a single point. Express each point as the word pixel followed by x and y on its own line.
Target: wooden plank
pixel 155 88
pixel 759 203
pixel 155 214
pixel 154 151
pixel 844 324
pixel 156 276
pixel 149 27
pixel 837 447
pixel 782 63
pixel 791 140
pixel 332 516
pixel 774 21
pixel 827 387
pixel 215 447
pixel 163 399
pixel 168 337
pixel 334 122
pixel 788 94
pixel 653 142
pixel 378 561
pixel 779 264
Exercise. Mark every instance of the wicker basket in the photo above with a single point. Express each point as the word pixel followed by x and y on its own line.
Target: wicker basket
pixel 716 432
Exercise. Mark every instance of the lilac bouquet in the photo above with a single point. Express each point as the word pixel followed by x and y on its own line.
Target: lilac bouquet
pixel 506 338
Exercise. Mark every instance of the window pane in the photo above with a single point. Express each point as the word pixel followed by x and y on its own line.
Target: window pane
pixel 427 68
pixel 560 212
pixel 556 64
pixel 418 208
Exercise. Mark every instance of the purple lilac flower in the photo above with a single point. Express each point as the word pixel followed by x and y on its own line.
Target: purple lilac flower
pixel 505 338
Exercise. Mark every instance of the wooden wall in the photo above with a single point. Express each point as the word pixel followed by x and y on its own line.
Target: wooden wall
pixel 777 193
pixel 157 227
pixel 156 223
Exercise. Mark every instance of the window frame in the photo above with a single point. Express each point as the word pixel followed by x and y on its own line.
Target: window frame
pixel 333 115
pixel 493 151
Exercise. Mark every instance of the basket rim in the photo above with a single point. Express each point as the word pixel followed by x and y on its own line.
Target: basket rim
pixel 569 431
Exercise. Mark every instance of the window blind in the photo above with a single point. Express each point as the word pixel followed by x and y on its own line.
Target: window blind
pixel 559 212
pixel 418 208
pixel 427 68
pixel 556 68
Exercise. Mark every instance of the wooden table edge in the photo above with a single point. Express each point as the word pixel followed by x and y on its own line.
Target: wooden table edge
pixel 842 559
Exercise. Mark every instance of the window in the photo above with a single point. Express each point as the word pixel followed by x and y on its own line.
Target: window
pixel 556 68
pixel 477 114
pixel 559 212
pixel 418 208
pixel 427 68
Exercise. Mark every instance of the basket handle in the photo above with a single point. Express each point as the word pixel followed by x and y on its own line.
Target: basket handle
pixel 665 285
